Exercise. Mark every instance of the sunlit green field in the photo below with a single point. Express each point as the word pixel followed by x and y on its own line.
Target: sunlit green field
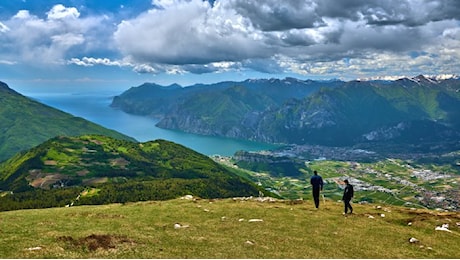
pixel 230 228
pixel 391 174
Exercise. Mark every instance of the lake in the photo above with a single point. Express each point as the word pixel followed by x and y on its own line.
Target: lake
pixel 95 108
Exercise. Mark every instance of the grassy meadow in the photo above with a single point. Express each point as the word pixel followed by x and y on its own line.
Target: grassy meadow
pixel 228 228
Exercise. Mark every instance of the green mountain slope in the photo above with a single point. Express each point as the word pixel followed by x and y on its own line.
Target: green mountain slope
pixel 412 111
pixel 25 123
pixel 404 111
pixel 118 170
pixel 229 229
pixel 225 112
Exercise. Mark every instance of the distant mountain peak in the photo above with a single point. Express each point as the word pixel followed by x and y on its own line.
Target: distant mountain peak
pixel 419 78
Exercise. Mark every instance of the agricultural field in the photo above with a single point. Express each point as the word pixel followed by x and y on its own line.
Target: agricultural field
pixel 391 181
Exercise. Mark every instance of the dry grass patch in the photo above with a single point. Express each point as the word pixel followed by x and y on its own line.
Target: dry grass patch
pixel 94 242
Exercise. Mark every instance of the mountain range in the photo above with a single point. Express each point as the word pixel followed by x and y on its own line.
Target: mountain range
pixel 25 123
pixel 409 111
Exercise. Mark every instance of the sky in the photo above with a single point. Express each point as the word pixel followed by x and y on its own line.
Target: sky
pixel 124 43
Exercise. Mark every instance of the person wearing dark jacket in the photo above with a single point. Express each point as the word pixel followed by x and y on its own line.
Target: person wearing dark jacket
pixel 317 184
pixel 347 196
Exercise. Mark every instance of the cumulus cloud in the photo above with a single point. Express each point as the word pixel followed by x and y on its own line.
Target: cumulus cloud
pixel 3 28
pixel 298 36
pixel 62 32
pixel 59 11
pixel 189 32
pixel 90 61
pixel 326 37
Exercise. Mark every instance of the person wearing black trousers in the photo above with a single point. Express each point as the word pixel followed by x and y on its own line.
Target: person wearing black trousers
pixel 317 183
pixel 347 196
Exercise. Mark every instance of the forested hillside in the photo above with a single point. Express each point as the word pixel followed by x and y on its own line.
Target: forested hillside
pixel 100 170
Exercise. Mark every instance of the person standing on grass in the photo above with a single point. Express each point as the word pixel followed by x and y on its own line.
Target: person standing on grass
pixel 347 196
pixel 317 183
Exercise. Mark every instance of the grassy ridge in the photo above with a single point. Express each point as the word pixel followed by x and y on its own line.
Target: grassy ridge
pixel 221 229
pixel 25 123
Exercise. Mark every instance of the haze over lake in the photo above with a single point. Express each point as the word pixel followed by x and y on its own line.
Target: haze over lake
pixel 95 107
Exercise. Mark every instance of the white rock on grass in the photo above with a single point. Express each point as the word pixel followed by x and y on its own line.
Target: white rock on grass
pixel 34 248
pixel 187 197
pixel 444 227
pixel 249 243
pixel 255 220
pixel 178 226
pixel 413 240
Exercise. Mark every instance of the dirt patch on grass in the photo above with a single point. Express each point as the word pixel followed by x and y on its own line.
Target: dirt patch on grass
pixel 82 172
pixel 94 242
pixel 121 162
pixel 47 180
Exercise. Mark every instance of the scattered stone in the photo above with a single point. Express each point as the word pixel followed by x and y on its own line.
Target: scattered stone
pixel 265 199
pixel 378 207
pixel 429 248
pixel 413 240
pixel 249 243
pixel 187 197
pixel 223 218
pixel 178 226
pixel 241 219
pixel 409 224
pixel 34 248
pixel 371 216
pixel 206 210
pixel 444 227
pixel 255 220
pixel 382 215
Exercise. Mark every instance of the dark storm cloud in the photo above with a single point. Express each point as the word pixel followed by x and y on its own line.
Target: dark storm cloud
pixel 391 12
pixel 275 15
